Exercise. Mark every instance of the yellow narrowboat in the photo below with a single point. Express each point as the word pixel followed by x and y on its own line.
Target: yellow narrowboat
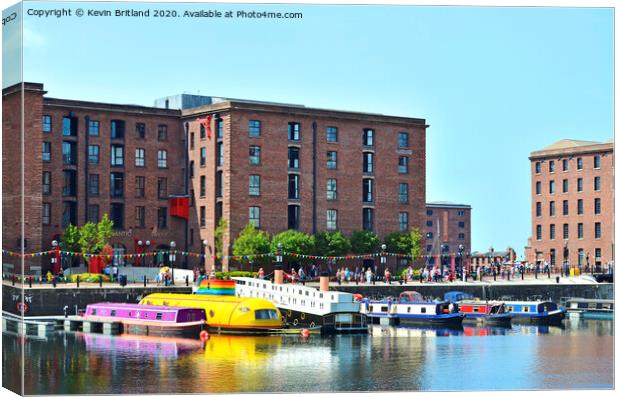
pixel 228 314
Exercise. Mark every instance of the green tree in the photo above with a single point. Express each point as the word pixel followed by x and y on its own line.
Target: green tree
pixel 399 243
pixel 293 241
pixel 416 244
pixel 104 233
pixel 252 242
pixel 88 239
pixel 331 244
pixel 220 230
pixel 70 241
pixel 364 242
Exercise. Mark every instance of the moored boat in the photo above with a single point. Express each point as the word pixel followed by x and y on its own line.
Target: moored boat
pixel 216 287
pixel 537 312
pixel 590 308
pixel 226 314
pixel 412 308
pixel 149 319
pixel 490 313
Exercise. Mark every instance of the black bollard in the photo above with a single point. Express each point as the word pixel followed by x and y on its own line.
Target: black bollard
pixel 557 279
pixel 508 275
pixel 522 275
pixel 13 280
pixel 30 281
pixel 549 273
pixel 536 273
pixel 54 281
pixel 494 276
pixel 78 281
pixel 145 280
pixel 186 281
pixel 100 281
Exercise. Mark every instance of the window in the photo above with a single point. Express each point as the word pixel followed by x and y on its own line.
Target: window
pixel 597 183
pixel 538 209
pixel 552 231
pixel 70 183
pixel 565 231
pixel 140 186
pixel 93 213
pixel 203 132
pixel 47 123
pixel 162 188
pixel 69 126
pixel 293 217
pixel 93 154
pixel 551 166
pixel 162 217
pixel 117 215
pixel 47 182
pixel 538 187
pixel 219 182
pixel 403 165
pixel 140 130
pixel 294 131
pixel 461 236
pixel 254 128
pixel 191 141
pixel 220 154
pixel 537 167
pixel 597 161
pixel 93 184
pixel 332 219
pixel 140 217
pixel 69 153
pixel 203 216
pixel 429 212
pixel 116 184
pixel 254 215
pixel 565 207
pixel 332 160
pixel 579 163
pixel 552 257
pixel 429 223
pixel 139 157
pixel 293 186
pixel 69 213
pixel 332 134
pixel 403 221
pixel 191 169
pixel 93 127
pixel 551 187
pixel 565 165
pixel 597 230
pixel 367 219
pixel 369 137
pixel 254 185
pixel 403 193
pixel 293 157
pixel 219 128
pixel 255 155
pixel 117 129
pixel 460 213
pixel 162 132
pixel 597 254
pixel 367 191
pixel 116 155
pixel 429 248
pixel 461 225
pixel 580 184
pixel 331 189
pixel 403 140
pixel 46 213
pixel 203 156
pixel 597 206
pixel 564 185
pixel 538 232
pixel 429 235
pixel 368 163
pixel 162 159
pixel 580 256
pixel 203 185
pixel 580 207
pixel 552 208
pixel 192 199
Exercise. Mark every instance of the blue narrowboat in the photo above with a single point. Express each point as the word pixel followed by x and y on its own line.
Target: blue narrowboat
pixel 538 312
pixel 490 313
pixel 412 308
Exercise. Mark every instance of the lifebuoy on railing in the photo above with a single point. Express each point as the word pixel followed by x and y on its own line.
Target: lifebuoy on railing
pixel 312 324
pixel 289 313
pixel 295 322
pixel 22 307
pixel 302 315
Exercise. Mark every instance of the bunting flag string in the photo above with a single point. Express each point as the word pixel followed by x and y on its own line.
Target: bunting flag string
pixel 228 257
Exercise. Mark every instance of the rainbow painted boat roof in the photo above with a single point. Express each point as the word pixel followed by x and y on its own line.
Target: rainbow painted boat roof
pixel 216 287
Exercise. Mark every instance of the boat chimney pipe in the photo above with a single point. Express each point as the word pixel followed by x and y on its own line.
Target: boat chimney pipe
pixel 324 281
pixel 278 275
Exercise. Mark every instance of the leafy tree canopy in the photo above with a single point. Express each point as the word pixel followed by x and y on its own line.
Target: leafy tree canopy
pixel 364 242
pixel 251 242
pixel 331 244
pixel 293 241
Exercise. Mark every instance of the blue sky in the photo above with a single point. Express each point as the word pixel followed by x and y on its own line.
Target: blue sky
pixel 493 83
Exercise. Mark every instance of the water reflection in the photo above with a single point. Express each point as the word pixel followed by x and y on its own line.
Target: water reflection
pixel 578 355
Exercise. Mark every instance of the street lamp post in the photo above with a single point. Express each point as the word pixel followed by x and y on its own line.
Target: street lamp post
pixel 203 257
pixel 444 252
pixel 588 263
pixel 137 262
pixel 383 259
pixel 460 268
pixel 56 257
pixel 146 249
pixel 172 256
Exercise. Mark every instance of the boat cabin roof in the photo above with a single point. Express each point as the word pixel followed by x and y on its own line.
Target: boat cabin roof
pixel 411 296
pixel 136 306
pixel 455 296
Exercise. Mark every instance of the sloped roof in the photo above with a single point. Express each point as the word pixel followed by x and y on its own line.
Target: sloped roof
pixel 569 143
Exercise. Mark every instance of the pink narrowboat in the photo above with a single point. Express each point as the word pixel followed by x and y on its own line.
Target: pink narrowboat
pixel 150 320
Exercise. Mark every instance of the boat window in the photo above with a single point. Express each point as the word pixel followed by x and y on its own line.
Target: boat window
pixel 526 308
pixel 320 295
pixel 265 286
pixel 476 309
pixel 423 310
pixel 509 308
pixel 158 316
pixel 321 306
pixel 266 314
pixel 301 292
pixel 409 310
pixel 113 313
pixel 384 309
pixel 307 293
pixel 94 312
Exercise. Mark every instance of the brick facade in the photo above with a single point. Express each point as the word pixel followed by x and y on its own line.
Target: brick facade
pixel 572 203
pixel 453 221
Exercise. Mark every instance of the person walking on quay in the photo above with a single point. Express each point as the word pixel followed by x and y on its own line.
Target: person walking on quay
pixel 261 273
pixel 425 274
pixel 338 276
pixel 368 275
pixel 302 274
pixel 387 275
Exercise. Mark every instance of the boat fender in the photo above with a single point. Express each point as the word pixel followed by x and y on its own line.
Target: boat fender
pixel 295 322
pixel 302 315
pixel 204 336
pixel 22 307
pixel 289 313
pixel 305 332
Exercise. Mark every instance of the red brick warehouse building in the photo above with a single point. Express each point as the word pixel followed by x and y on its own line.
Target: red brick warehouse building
pixel 277 166
pixel 447 224
pixel 572 204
